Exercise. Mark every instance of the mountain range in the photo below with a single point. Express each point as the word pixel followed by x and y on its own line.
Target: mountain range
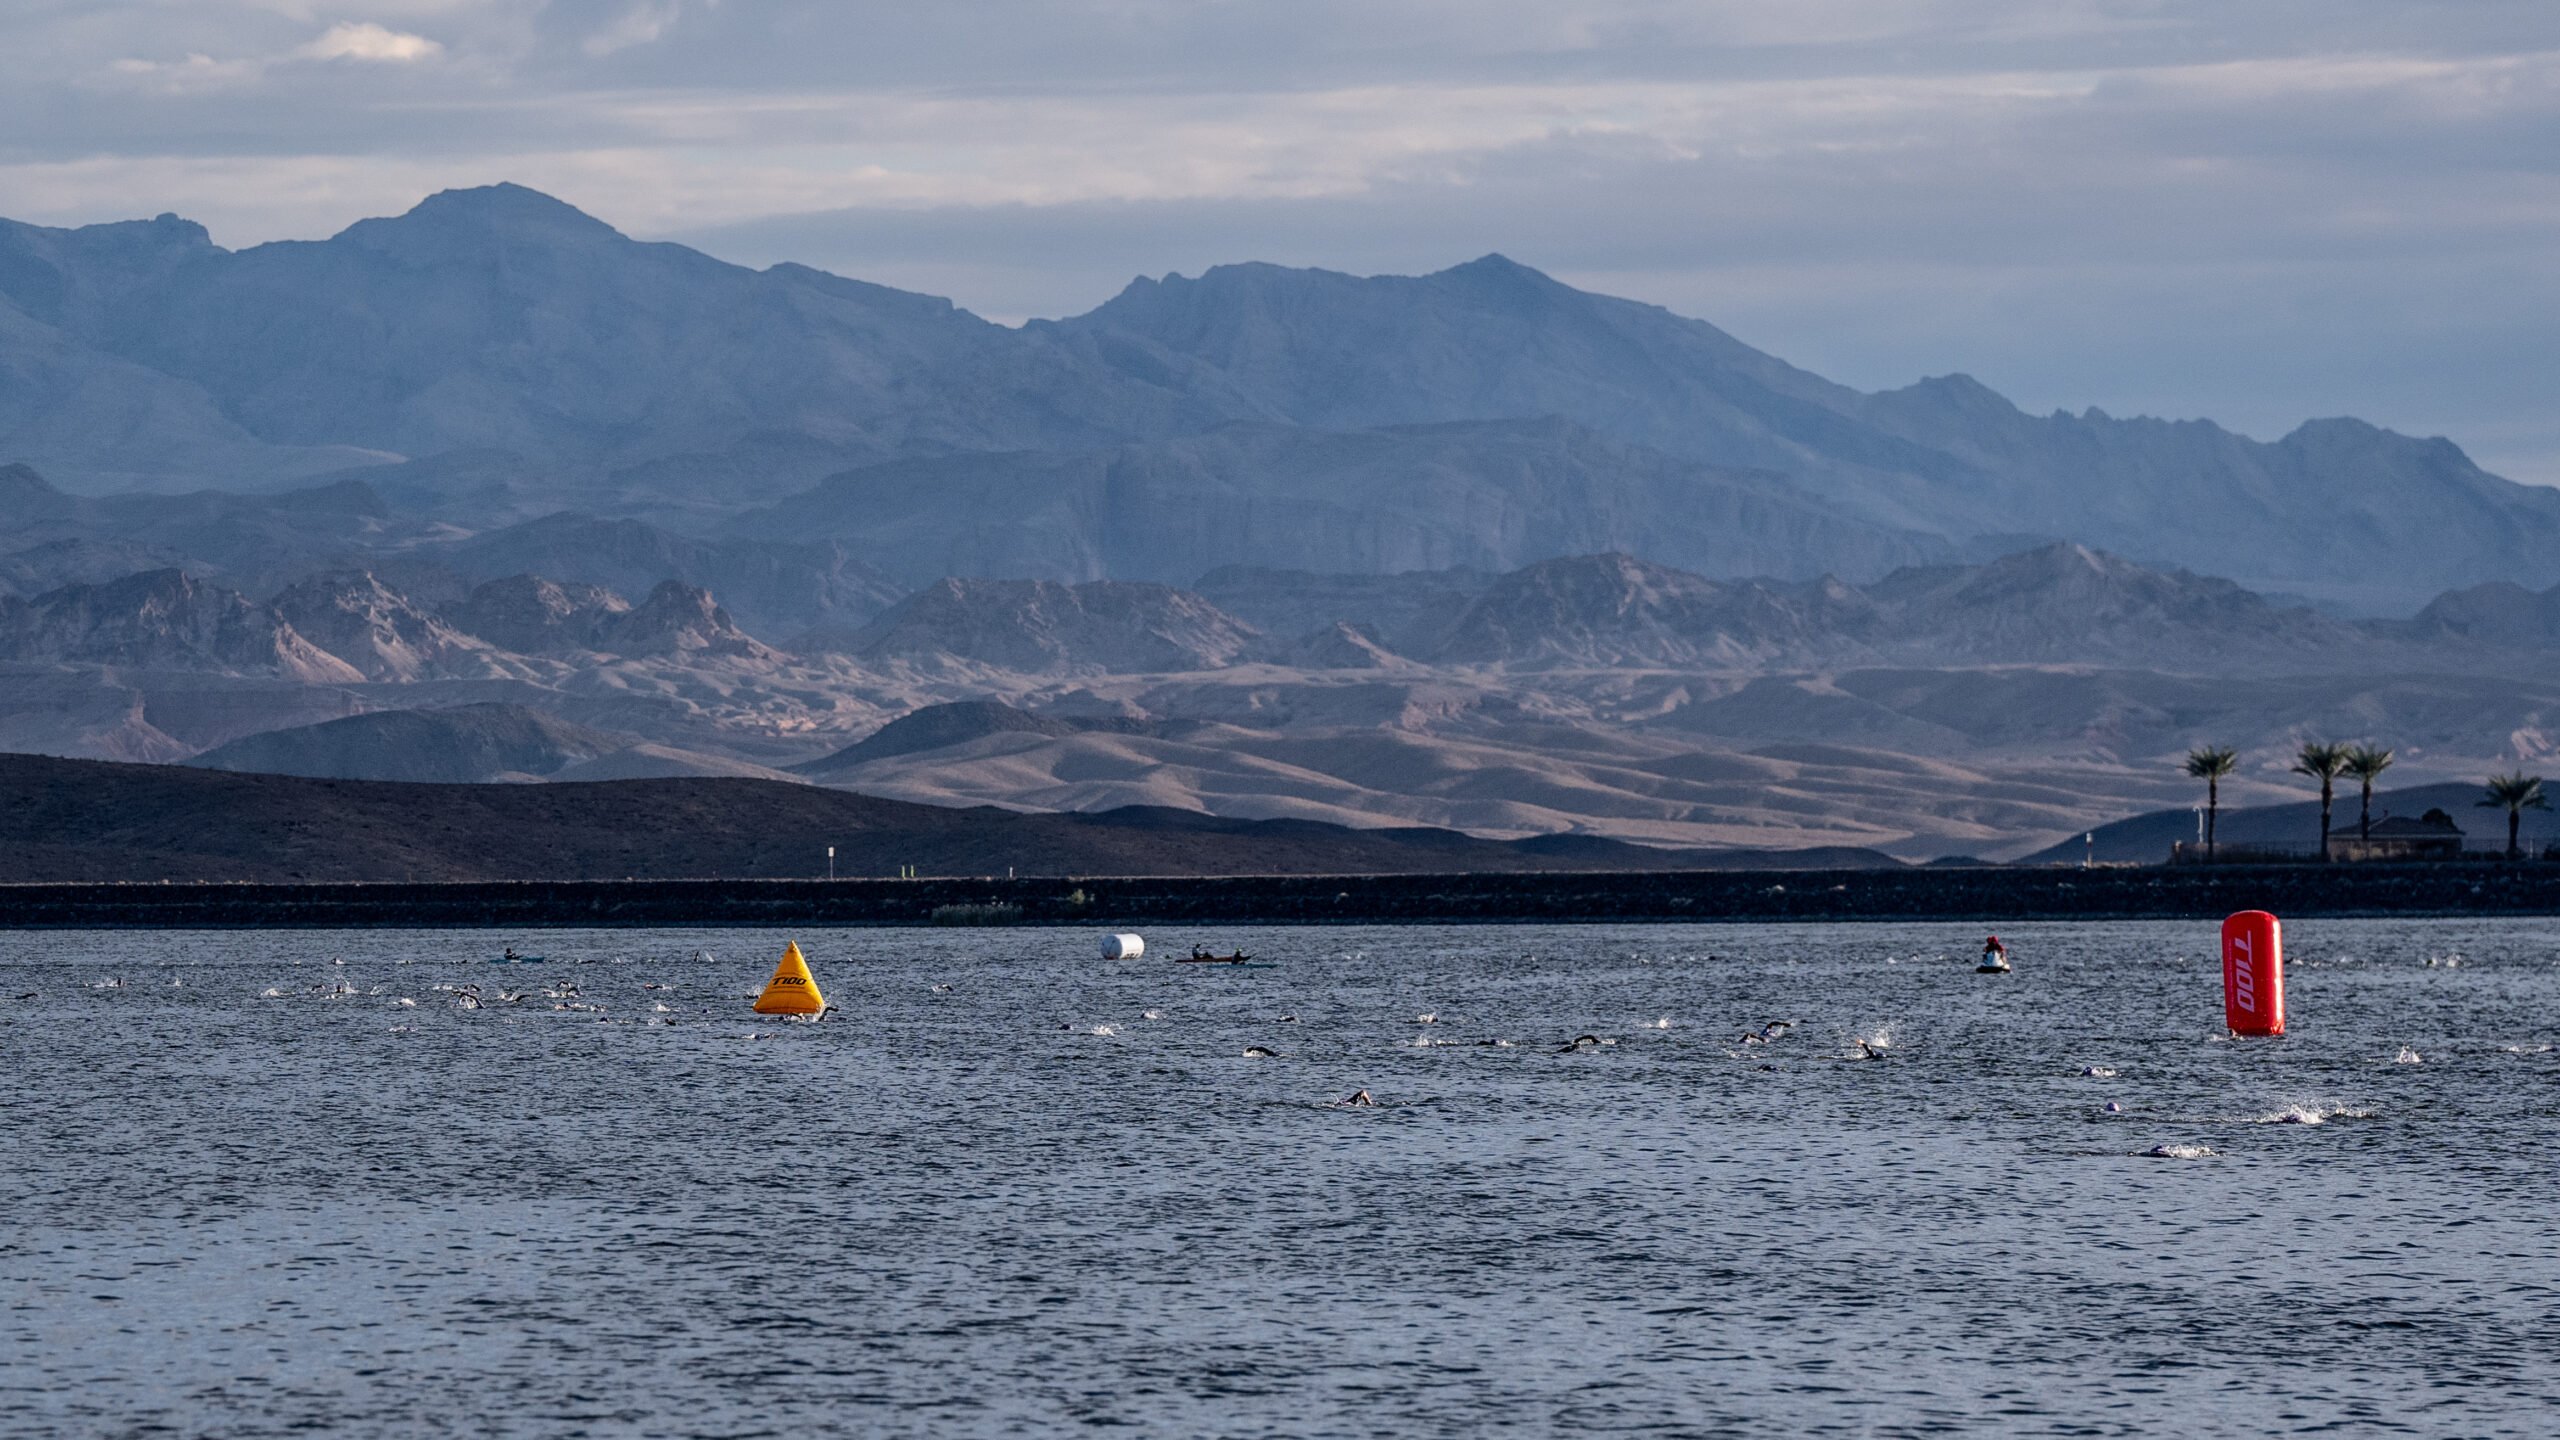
pixel 496 352
pixel 489 491
pixel 1980 707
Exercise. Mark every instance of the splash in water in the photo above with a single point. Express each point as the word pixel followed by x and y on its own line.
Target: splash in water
pixel 2311 1115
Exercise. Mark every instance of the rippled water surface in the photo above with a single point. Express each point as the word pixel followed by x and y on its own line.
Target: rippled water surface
pixel 1011 1189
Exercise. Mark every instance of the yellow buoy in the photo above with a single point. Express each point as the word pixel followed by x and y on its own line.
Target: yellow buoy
pixel 792 990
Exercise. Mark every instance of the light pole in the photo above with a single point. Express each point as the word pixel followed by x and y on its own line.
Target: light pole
pixel 831 862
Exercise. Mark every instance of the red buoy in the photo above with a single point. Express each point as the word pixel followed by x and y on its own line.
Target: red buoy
pixel 2253 974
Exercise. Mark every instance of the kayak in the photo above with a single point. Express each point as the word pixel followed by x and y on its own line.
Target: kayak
pixel 1990 969
pixel 518 959
pixel 1237 958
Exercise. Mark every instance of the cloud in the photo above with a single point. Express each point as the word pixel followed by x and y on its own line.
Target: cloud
pixel 368 41
pixel 642 24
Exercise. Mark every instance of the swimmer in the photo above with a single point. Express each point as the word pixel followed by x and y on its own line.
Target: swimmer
pixel 1576 1043
pixel 1868 1050
pixel 1256 1052
pixel 1360 1097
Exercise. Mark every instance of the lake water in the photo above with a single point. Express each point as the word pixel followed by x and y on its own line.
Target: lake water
pixel 1012 1189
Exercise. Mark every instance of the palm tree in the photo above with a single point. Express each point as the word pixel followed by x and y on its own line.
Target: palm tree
pixel 2323 761
pixel 2209 763
pixel 2366 764
pixel 2516 794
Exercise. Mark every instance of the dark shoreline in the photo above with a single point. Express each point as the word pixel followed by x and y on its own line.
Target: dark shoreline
pixel 1985 895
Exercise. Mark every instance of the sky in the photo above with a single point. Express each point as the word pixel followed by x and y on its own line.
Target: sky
pixel 2259 211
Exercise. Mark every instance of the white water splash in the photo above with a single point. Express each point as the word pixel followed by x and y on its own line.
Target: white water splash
pixel 2179 1152
pixel 2311 1115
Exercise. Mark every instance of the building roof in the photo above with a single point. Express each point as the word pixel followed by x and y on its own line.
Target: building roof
pixel 2407 827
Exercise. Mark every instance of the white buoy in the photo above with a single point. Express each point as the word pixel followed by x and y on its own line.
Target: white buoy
pixel 1122 947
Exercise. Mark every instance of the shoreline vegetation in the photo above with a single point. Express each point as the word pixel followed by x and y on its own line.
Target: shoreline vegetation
pixel 1989 894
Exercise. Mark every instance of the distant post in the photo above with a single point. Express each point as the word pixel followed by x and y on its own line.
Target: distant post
pixel 831 862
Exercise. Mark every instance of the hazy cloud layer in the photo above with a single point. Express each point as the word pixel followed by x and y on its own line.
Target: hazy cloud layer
pixel 2260 212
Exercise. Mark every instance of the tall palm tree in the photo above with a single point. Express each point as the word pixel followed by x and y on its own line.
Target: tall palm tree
pixel 2209 763
pixel 2515 794
pixel 2323 761
pixel 2366 764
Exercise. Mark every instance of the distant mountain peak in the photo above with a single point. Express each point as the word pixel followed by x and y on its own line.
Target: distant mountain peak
pixel 510 211
pixel 20 484
pixel 677 618
pixel 1499 269
pixel 164 231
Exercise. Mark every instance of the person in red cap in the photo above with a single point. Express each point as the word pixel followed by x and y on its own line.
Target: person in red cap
pixel 1995 956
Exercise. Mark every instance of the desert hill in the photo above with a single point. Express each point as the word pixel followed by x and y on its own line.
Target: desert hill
pixel 1927 712
pixel 461 745
pixel 87 820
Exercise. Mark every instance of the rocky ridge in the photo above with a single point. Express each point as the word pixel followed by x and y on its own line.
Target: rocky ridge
pixel 163 619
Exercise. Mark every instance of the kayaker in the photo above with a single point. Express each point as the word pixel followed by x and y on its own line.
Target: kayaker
pixel 1995 956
